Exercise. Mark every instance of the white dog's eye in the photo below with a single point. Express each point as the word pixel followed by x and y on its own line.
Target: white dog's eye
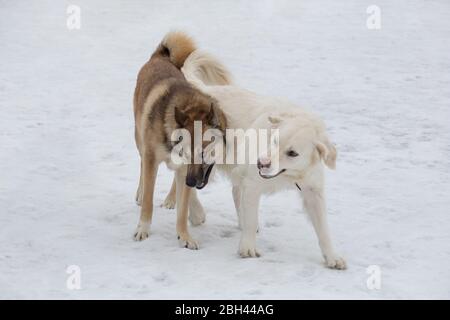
pixel 292 153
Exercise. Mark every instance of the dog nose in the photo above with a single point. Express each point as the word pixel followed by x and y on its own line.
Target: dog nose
pixel 191 181
pixel 263 162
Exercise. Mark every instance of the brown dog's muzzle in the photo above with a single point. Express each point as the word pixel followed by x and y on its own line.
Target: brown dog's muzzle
pixel 198 175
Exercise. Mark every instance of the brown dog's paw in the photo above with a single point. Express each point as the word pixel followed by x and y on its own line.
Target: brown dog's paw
pixel 142 232
pixel 186 241
pixel 169 203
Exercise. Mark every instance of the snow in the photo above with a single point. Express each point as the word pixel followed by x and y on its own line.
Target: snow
pixel 69 166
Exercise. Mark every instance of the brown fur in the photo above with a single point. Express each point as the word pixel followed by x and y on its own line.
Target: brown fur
pixel 179 45
pixel 165 101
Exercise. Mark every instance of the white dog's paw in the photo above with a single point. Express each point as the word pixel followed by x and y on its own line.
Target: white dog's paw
pixel 247 249
pixel 142 231
pixel 197 215
pixel 186 241
pixel 335 262
pixel 169 203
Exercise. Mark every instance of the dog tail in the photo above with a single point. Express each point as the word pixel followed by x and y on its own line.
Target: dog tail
pixel 177 46
pixel 203 69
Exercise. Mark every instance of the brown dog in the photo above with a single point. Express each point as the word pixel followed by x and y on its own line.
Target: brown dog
pixel 163 102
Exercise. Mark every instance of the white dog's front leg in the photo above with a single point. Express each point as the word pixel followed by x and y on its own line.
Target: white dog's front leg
pixel 249 204
pixel 314 203
pixel 237 204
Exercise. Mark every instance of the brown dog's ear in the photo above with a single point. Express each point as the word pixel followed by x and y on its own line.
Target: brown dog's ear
pixel 180 117
pixel 216 118
pixel 327 152
pixel 212 118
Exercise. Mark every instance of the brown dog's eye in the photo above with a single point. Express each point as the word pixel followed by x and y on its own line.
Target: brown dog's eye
pixel 292 153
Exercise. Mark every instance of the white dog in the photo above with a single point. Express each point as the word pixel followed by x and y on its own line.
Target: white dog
pixel 302 147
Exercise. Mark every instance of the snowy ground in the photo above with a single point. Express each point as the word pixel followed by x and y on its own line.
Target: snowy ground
pixel 69 167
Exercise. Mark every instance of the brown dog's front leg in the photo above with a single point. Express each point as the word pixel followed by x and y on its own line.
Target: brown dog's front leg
pixel 148 177
pixel 183 194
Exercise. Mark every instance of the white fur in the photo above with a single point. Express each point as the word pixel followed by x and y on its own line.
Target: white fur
pixel 299 130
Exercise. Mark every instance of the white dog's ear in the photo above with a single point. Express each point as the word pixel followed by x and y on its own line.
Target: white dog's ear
pixel 327 152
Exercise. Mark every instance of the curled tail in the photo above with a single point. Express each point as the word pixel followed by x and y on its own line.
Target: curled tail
pixel 200 68
pixel 177 46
